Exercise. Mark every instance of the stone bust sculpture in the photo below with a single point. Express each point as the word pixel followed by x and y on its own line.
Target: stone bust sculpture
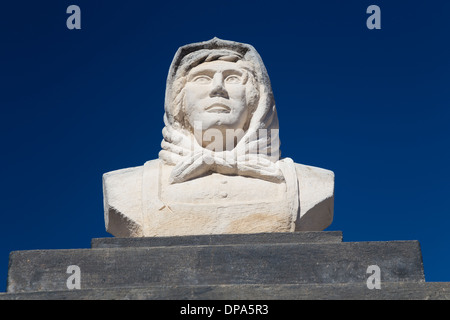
pixel 219 170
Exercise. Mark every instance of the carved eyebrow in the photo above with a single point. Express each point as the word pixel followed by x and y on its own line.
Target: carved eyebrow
pixel 211 72
pixel 227 72
pixel 208 72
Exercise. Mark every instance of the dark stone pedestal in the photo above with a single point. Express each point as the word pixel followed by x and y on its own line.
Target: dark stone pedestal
pixel 301 265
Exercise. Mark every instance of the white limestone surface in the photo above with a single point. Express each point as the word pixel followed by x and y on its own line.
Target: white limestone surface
pixel 219 169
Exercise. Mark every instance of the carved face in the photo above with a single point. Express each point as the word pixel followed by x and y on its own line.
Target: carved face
pixel 215 95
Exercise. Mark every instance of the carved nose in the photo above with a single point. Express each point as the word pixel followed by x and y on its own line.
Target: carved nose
pixel 218 87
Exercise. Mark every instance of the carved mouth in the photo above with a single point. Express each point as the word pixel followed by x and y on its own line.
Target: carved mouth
pixel 218 108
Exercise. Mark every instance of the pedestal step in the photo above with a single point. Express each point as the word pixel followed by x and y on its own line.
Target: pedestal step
pixel 230 293
pixel 212 265
pixel 220 239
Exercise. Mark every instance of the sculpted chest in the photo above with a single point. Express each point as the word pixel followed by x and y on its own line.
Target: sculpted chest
pixel 218 188
pixel 140 202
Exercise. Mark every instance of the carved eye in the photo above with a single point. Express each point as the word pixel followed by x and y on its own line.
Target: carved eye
pixel 202 79
pixel 233 79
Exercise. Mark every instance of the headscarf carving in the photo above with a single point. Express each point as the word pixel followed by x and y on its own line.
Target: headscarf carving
pixel 257 153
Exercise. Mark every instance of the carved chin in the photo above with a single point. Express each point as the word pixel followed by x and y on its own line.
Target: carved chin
pixel 217 117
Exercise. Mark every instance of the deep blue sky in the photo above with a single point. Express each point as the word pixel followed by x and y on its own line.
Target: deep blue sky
pixel 371 105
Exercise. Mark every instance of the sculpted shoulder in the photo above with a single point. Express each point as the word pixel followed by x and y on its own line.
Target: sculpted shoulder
pixel 316 188
pixel 122 200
